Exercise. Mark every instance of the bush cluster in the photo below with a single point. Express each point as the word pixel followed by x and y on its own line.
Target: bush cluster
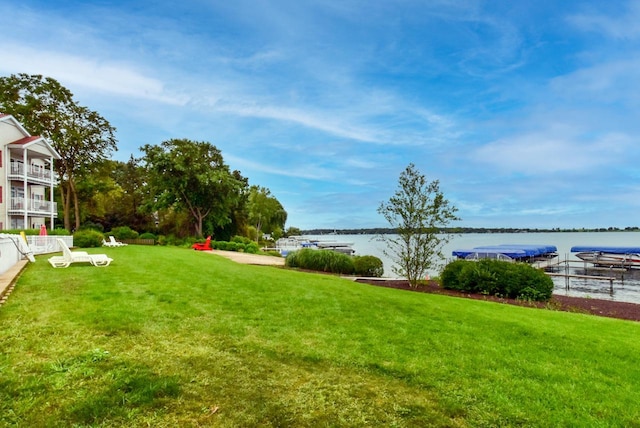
pixel 148 235
pixel 87 238
pixel 237 243
pixel 334 262
pixel 123 232
pixel 369 266
pixel 35 232
pixel 499 278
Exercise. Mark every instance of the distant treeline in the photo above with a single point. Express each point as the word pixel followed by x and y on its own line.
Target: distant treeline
pixel 459 230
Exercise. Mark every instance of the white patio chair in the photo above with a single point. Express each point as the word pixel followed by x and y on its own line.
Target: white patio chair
pixel 114 243
pixel 69 257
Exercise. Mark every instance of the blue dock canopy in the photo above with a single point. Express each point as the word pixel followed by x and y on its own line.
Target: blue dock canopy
pixel 515 251
pixel 605 249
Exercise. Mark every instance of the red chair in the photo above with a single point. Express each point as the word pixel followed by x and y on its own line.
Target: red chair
pixel 199 246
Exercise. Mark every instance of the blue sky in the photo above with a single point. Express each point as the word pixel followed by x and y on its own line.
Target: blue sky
pixel 527 112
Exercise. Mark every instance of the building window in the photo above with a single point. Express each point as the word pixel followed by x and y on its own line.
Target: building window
pixel 0 198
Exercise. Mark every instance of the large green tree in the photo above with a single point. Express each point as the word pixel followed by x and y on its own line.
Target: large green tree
pixel 266 213
pixel 81 136
pixel 118 194
pixel 419 212
pixel 192 176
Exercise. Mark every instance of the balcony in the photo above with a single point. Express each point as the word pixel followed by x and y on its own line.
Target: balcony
pixel 34 173
pixel 33 207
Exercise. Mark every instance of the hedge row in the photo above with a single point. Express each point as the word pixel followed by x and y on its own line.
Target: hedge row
pixel 335 262
pixel 243 247
pixel 499 278
pixel 87 238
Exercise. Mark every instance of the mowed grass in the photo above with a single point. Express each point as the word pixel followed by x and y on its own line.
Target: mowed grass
pixel 170 337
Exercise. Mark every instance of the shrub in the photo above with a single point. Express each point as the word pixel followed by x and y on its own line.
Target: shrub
pixel 450 275
pixel 63 232
pixel 241 240
pixel 368 266
pixel 123 232
pixel 238 243
pixel 251 248
pixel 35 232
pixel 321 260
pixel 225 245
pixel 148 235
pixel 494 277
pixel 87 238
pixel 170 240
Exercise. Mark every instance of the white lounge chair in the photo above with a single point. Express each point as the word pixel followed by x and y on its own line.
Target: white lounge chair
pixel 69 257
pixel 112 242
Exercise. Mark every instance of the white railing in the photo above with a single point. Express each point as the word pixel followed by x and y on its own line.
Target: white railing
pixel 33 172
pixel 33 205
pixel 12 249
pixel 47 244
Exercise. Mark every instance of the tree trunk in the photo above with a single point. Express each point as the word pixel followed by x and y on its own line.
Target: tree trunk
pixel 199 218
pixel 66 205
pixel 258 228
pixel 76 204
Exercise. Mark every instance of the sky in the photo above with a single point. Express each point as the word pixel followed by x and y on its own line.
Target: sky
pixel 526 112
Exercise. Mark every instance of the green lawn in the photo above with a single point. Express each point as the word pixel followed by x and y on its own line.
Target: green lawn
pixel 173 337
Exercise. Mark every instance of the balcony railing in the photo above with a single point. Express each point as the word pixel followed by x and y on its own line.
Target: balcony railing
pixel 33 206
pixel 33 172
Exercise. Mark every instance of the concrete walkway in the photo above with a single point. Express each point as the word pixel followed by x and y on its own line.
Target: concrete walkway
pixel 8 279
pixel 250 259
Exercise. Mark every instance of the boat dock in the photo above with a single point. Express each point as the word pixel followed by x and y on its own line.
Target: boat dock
pixel 563 269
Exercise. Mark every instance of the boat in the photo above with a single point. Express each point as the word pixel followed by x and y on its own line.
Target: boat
pixel 626 257
pixel 509 252
pixel 293 243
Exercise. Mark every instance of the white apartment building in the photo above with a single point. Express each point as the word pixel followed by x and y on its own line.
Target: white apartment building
pixel 27 178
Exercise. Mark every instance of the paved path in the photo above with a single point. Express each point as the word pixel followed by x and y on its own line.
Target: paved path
pixel 7 279
pixel 250 259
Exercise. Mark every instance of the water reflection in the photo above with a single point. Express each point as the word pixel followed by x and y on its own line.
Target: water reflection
pixel 598 283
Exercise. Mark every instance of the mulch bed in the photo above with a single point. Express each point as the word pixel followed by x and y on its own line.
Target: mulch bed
pixel 604 308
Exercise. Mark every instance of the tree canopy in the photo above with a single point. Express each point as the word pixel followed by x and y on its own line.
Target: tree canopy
pixel 266 213
pixel 192 176
pixel 179 184
pixel 81 136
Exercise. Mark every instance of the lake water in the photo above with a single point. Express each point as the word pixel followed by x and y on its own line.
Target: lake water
pixel 626 287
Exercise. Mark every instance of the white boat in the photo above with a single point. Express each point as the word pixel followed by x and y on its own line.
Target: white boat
pixel 625 257
pixel 293 243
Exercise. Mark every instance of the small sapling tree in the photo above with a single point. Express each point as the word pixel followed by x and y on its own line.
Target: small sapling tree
pixel 418 211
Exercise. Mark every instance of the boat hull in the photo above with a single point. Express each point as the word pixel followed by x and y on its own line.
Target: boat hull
pixel 599 258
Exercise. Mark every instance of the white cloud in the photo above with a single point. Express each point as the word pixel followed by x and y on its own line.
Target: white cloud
pixel 626 25
pixel 110 78
pixel 303 170
pixel 603 83
pixel 538 154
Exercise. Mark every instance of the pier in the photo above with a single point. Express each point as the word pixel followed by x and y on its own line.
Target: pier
pixel 563 268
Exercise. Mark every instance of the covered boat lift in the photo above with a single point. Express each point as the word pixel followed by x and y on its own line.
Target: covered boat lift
pixel 512 252
pixel 624 257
